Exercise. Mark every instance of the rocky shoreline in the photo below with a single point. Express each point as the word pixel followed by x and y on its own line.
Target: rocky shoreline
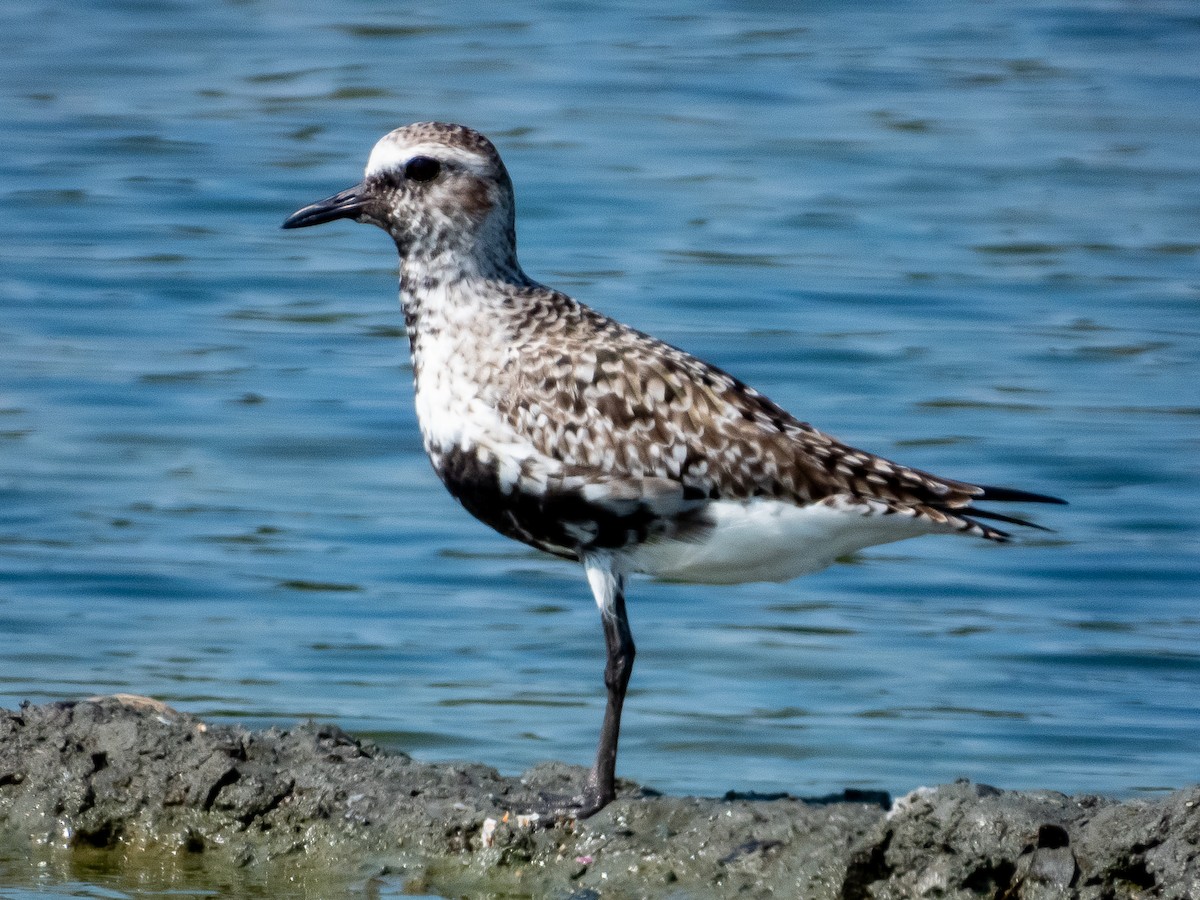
pixel 129 778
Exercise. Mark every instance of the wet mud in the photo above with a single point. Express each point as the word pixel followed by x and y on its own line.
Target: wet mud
pixel 146 788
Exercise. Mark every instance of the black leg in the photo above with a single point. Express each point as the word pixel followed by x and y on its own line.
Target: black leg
pixel 618 639
pixel 608 585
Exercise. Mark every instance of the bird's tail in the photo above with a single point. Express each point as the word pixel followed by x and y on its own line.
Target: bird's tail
pixel 970 513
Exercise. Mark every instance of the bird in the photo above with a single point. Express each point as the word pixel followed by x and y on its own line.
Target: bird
pixel 573 433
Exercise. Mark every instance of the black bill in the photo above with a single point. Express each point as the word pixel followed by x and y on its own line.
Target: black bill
pixel 347 204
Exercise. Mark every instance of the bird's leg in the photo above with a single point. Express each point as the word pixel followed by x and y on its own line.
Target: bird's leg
pixel 618 639
pixel 608 586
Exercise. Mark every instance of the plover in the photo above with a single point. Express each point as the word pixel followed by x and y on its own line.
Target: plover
pixel 580 436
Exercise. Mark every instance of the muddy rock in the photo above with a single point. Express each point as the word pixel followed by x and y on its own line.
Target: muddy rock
pixel 131 778
pixel 971 840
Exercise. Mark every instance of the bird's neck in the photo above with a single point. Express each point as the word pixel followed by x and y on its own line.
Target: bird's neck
pixel 451 263
pixel 453 287
pixel 460 322
pixel 457 309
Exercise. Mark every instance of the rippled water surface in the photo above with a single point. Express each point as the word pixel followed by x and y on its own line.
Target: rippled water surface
pixel 964 236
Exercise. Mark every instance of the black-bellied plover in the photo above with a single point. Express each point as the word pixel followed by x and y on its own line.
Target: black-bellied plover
pixel 575 434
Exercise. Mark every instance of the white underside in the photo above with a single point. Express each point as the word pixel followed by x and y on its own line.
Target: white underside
pixel 771 540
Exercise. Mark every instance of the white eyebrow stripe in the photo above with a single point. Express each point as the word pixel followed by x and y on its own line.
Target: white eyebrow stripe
pixel 390 156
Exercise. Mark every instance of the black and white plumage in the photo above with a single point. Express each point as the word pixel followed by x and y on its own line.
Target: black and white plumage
pixel 580 436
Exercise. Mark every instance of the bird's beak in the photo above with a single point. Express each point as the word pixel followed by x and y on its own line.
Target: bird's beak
pixel 347 204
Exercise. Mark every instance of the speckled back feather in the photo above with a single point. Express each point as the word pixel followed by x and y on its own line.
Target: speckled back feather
pixel 606 399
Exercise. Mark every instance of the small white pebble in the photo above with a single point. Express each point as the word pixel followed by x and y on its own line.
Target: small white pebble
pixel 487 834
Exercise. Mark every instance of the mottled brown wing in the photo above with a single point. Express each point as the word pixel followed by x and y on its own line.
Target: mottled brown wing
pixel 621 403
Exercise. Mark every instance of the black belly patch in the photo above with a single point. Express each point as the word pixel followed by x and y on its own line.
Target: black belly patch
pixel 558 521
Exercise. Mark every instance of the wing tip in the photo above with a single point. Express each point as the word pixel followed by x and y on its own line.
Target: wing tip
pixel 1012 495
pixel 973 513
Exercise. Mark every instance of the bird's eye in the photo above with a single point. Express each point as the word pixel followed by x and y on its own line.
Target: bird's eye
pixel 422 168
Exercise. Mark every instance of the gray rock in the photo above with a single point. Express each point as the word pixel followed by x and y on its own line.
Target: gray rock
pixel 129 783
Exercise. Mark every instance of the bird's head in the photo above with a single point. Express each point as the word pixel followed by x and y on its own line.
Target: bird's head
pixel 441 191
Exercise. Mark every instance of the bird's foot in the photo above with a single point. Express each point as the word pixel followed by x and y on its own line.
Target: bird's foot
pixel 557 808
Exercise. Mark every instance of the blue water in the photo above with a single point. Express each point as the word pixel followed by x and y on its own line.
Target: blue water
pixel 964 236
